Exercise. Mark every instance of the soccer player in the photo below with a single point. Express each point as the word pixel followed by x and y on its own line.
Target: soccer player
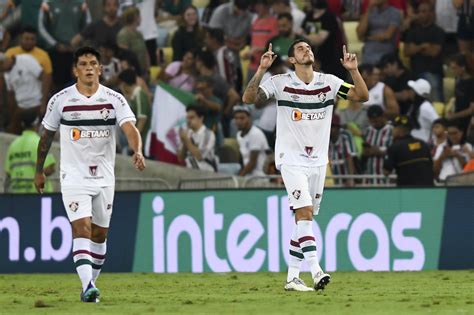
pixel 86 114
pixel 305 102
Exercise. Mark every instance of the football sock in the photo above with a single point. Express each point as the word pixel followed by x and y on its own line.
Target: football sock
pixel 98 251
pixel 83 260
pixel 296 256
pixel 308 245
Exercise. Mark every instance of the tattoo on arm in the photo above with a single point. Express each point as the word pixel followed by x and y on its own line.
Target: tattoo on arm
pixel 43 148
pixel 250 93
pixel 261 97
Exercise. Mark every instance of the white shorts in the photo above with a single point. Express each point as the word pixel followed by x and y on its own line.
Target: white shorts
pixel 95 202
pixel 304 185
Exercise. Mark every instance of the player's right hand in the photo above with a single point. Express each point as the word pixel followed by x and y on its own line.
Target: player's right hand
pixel 40 179
pixel 267 58
pixel 139 161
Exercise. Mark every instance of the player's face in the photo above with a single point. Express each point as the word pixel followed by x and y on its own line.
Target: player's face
pixel 88 69
pixel 303 55
pixel 242 120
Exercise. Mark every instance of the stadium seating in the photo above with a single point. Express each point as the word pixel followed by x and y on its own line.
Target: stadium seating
pixel 353 42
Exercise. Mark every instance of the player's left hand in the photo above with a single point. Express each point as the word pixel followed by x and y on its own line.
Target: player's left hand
pixel 139 161
pixel 348 61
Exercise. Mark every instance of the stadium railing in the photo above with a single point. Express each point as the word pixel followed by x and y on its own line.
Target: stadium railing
pixel 209 183
pixel 463 179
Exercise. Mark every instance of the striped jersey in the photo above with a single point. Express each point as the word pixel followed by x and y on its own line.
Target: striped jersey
pixel 303 116
pixel 87 128
pixel 381 138
pixel 340 151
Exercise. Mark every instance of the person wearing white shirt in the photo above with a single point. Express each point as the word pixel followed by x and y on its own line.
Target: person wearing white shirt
pixel 253 144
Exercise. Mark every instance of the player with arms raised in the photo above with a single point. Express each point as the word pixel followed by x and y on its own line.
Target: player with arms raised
pixel 86 114
pixel 305 100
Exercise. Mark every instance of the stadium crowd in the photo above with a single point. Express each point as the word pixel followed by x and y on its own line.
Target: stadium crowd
pixel 417 59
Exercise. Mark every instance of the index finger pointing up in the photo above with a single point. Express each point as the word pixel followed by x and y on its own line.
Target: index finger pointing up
pixel 270 47
pixel 344 50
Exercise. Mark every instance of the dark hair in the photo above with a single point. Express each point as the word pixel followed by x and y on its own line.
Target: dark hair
pixel 319 4
pixel 206 79
pixel 242 4
pixel 197 109
pixel 207 58
pixel 440 121
pixel 104 2
pixel 86 50
pixel 285 15
pixel 291 50
pixel 285 2
pixel 374 111
pixel 109 44
pixel 366 68
pixel 28 29
pixel 128 76
pixel 390 58
pixel 216 33
pixel 456 123
pixel 28 118
pixel 129 15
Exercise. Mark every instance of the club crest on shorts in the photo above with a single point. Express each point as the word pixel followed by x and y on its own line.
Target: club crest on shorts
pixel 317 196
pixel 93 170
pixel 296 194
pixel 308 150
pixel 109 206
pixel 73 206
pixel 105 113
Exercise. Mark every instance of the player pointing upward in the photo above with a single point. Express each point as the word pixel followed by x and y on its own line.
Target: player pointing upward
pixel 305 102
pixel 86 114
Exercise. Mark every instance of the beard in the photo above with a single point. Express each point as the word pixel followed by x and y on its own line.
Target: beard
pixel 308 62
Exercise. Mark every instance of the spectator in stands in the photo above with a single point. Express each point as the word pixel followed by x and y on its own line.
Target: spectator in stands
pixel 253 144
pixel 409 156
pixel 439 134
pixel 378 29
pixel 58 22
pixel 421 112
pixel 285 6
pixel 379 93
pixel 464 91
pixel 28 41
pixel 111 66
pixel 211 105
pixel 189 35
pixel 227 64
pixel 286 36
pixel 423 44
pixel 181 74
pixel 175 7
pixel 102 31
pixel 447 19
pixel 6 6
pixel 137 99
pixel 465 28
pixel 322 30
pixel 354 119
pixel 148 27
pixel 377 139
pixel 205 65
pixel 198 142
pixel 396 76
pixel 130 38
pixel 451 157
pixel 351 9
pixel 209 10
pixel 20 159
pixel 4 38
pixel 342 151
pixel 24 82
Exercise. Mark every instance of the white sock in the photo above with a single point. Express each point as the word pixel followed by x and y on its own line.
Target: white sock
pixel 98 251
pixel 308 245
pixel 296 256
pixel 83 260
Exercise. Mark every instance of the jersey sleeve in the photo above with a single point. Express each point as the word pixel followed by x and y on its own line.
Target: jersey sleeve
pixel 269 87
pixel 52 118
pixel 123 111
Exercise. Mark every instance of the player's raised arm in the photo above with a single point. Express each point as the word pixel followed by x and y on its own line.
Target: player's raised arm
pixel 135 142
pixel 359 92
pixel 43 148
pixel 252 94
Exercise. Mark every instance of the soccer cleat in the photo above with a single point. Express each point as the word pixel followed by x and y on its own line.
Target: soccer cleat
pixel 91 294
pixel 297 285
pixel 321 280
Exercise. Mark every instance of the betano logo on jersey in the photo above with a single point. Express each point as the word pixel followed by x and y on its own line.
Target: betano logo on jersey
pixel 298 115
pixel 77 134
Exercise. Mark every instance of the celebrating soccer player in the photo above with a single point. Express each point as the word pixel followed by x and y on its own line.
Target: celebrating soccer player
pixel 305 102
pixel 86 114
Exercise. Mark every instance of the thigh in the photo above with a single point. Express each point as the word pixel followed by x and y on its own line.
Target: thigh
pixel 296 184
pixel 77 202
pixel 316 186
pixel 102 204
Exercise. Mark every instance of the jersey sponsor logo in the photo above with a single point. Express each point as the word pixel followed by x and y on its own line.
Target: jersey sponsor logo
pixel 297 115
pixel 296 194
pixel 308 150
pixel 93 170
pixel 77 134
pixel 73 206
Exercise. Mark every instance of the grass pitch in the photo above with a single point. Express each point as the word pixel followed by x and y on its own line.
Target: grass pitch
pixel 432 292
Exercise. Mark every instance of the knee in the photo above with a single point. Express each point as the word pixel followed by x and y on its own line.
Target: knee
pixel 305 213
pixel 81 231
pixel 99 235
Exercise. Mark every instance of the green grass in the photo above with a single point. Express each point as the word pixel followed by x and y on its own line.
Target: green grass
pixel 432 292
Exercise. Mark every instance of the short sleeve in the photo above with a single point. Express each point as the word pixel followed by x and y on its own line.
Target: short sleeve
pixel 123 111
pixel 216 20
pixel 268 87
pixel 173 68
pixel 46 63
pixel 208 145
pixel 350 144
pixel 258 142
pixel 52 118
pixel 34 67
